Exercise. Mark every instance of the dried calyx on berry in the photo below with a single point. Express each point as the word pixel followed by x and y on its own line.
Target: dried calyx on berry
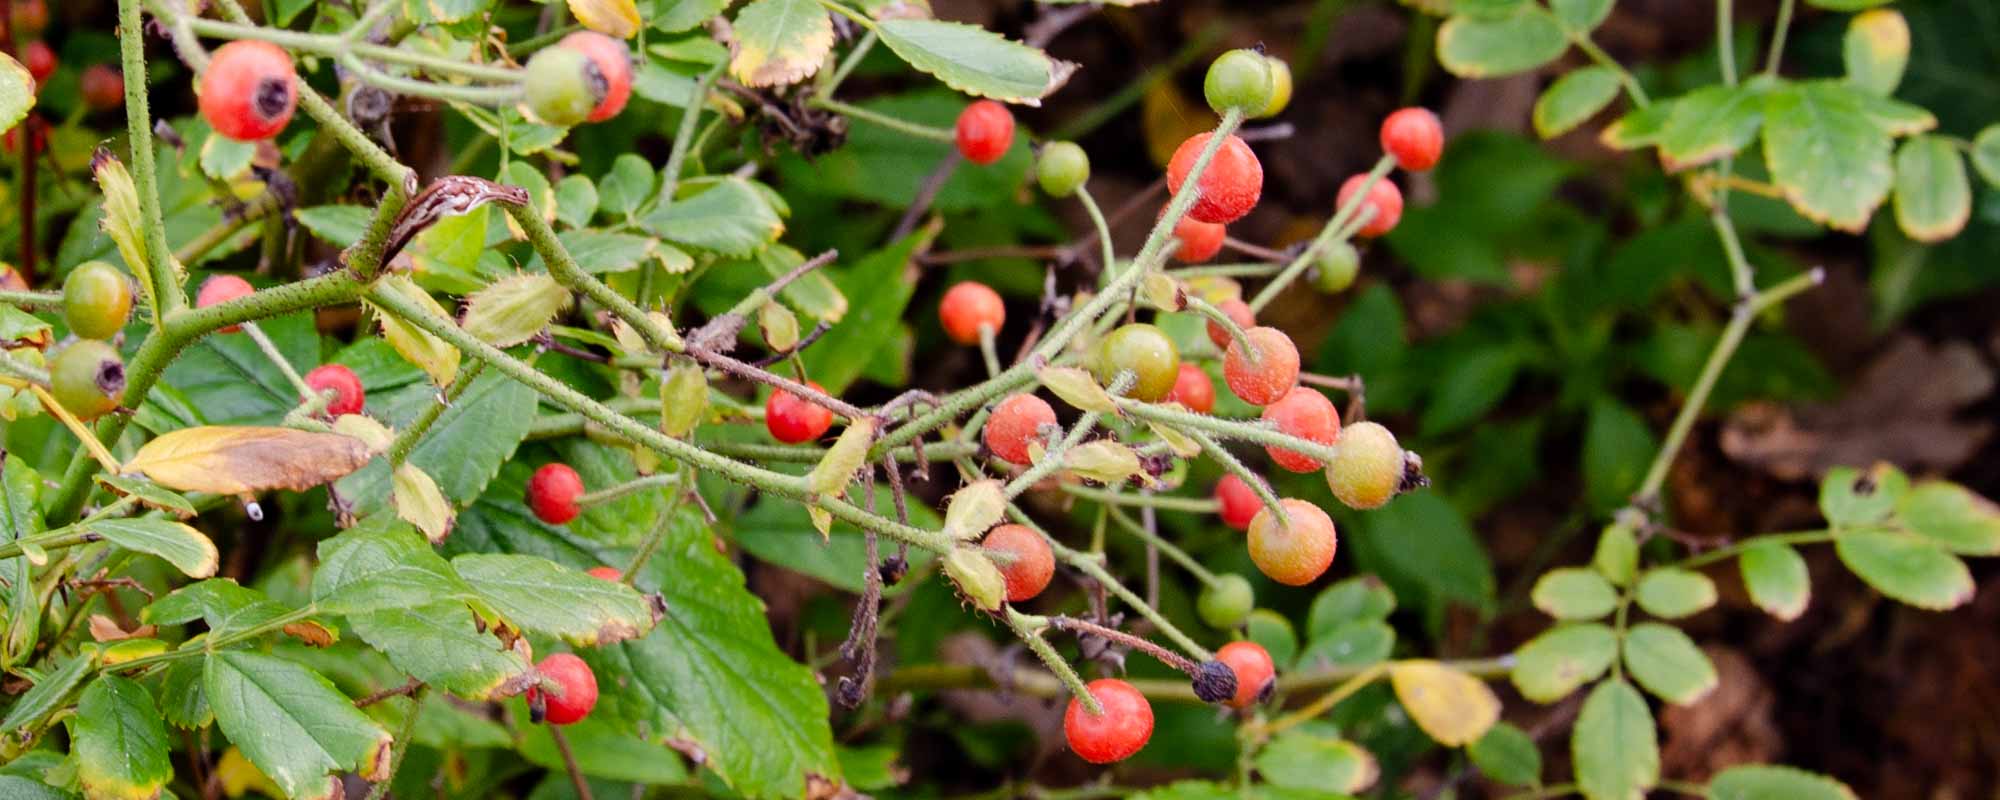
pixel 1214 682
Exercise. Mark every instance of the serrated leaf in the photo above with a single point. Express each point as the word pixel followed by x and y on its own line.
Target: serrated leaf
pixel 184 547
pixel 1953 517
pixel 515 308
pixel 731 218
pixel 848 454
pixel 1305 762
pixel 1710 123
pixel 626 185
pixel 1574 98
pixel 149 494
pixel 1667 663
pixel 971 511
pixel 1852 498
pixel 429 353
pixel 1933 194
pixel 1776 578
pixel 1107 462
pixel 419 502
pixel 223 158
pixel 974 60
pixel 338 225
pixel 1506 754
pixel 226 606
pixel 120 746
pixel 442 645
pixel 1356 643
pixel 1985 154
pixel 246 460
pixel 1827 152
pixel 121 220
pixel 779 42
pixel 674 16
pixel 49 693
pixel 1876 49
pixel 1763 782
pixel 1077 388
pixel 1615 747
pixel 291 723
pixel 182 699
pixel 535 594
pixel 1580 16
pixel 382 563
pixel 1573 593
pixel 1906 568
pixel 1671 593
pixel 1474 47
pixel 1552 665
pixel 1450 706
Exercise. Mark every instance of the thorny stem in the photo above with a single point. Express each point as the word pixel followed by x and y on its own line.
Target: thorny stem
pixel 165 291
pixel 32 301
pixel 1052 459
pixel 406 440
pixel 1029 629
pixel 339 47
pixel 1196 505
pixel 1243 473
pixel 1216 315
pixel 401 747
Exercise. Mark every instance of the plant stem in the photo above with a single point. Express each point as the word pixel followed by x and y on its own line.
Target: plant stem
pixel 1632 88
pixel 1179 556
pixel 270 351
pixel 1197 505
pixel 401 746
pixel 1779 31
pixel 1097 221
pixel 33 301
pixel 1254 431
pixel 986 352
pixel 406 439
pixel 1725 40
pixel 1243 473
pixel 336 46
pixel 1326 702
pixel 854 56
pixel 1327 235
pixel 1094 567
pixel 563 267
pixel 1036 683
pixel 165 290
pixel 1734 549
pixel 647 548
pixel 683 138
pixel 201 646
pixel 897 124
pixel 628 489
pixel 1217 316
pixel 1032 636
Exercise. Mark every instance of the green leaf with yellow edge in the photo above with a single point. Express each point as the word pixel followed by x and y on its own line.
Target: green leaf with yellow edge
pixel 1615 746
pixel 1953 517
pixel 1827 152
pixel 1907 568
pixel 1850 497
pixel 149 493
pixel 1933 194
pixel 1307 762
pixel 1474 47
pixel 779 42
pixel 1876 49
pixel 1640 127
pixel 1450 706
pixel 1574 593
pixel 1766 782
pixel 1665 661
pixel 419 502
pixel 1552 665
pixel 293 724
pixel 442 645
pixel 1574 98
pixel 974 60
pixel 535 594
pixel 515 308
pixel 1985 154
pixel 1670 593
pixel 1709 124
pixel 618 19
pixel 1775 576
pixel 429 353
pixel 187 549
pixel 119 744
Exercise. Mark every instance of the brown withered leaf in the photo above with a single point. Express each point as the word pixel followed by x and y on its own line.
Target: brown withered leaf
pixel 311 633
pixel 247 460
pixel 104 629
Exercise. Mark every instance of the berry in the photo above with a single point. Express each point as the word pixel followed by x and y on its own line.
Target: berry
pixel 1414 137
pixel 222 289
pixel 97 300
pixel 614 65
pixel 1226 603
pixel 1293 555
pixel 1368 468
pixel 793 419
pixel 1148 353
pixel 1239 80
pixel 563 86
pixel 1033 565
pixel 612 574
pixel 1200 241
pixel 1307 414
pixel 1123 728
pixel 103 88
pixel 1014 423
pixel 1268 376
pixel 1337 267
pixel 1238 312
pixel 1384 197
pixel 1229 187
pixel 28 17
pixel 39 59
pixel 1194 389
pixel 88 378
pixel 985 131
pixel 1254 672
pixel 248 93
pixel 1238 502
pixel 348 397
pixel 1063 168
pixel 578 693
pixel 1281 87
pixel 966 307
pixel 40 139
pixel 553 491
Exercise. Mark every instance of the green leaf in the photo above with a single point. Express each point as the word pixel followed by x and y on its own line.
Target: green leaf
pixel 20 516
pixel 1711 123
pixel 1615 747
pixel 1552 665
pixel 1617 449
pixel 813 294
pixel 1776 578
pixel 731 217
pixel 779 42
pixel 1951 516
pixel 441 645
pixel 17 91
pixel 1852 498
pixel 223 158
pixel 603 750
pixel 536 595
pixel 1763 782
pixel 1424 548
pixel 120 746
pixel 1358 599
pixel 177 544
pixel 1350 644
pixel 1640 127
pixel 674 16
pixel 1574 593
pixel 1617 554
pixel 15 787
pixel 183 700
pixel 1985 154
pixel 1580 16
pixel 149 493
pixel 1671 593
pixel 625 187
pixel 338 225
pixel 292 723
pixel 232 382
pixel 576 200
pixel 601 251
pixel 1933 195
pixel 467 445
pixel 1827 152
pixel 382 563
pixel 1876 49
pixel 1506 754
pixel 1667 662
pixel 49 693
pixel 878 295
pixel 1469 387
pixel 1472 47
pixel 225 606
pixel 1313 763
pixel 1273 632
pixel 1573 98
pixel 1906 568
pixel 974 60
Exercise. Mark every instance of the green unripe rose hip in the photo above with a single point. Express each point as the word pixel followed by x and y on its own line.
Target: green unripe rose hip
pixel 1367 468
pixel 1281 87
pixel 1337 267
pixel 88 378
pixel 97 300
pixel 1227 603
pixel 1148 353
pixel 1240 80
pixel 562 86
pixel 1063 168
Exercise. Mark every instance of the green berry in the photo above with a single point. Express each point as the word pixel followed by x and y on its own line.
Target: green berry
pixel 97 300
pixel 1240 80
pixel 1337 267
pixel 88 378
pixel 1146 351
pixel 1281 87
pixel 1063 168
pixel 1367 468
pixel 1226 603
pixel 562 86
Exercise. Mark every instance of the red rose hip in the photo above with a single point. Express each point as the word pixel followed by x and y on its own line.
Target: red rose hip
pixel 1294 554
pixel 606 573
pixel 1254 672
pixel 1033 562
pixel 579 689
pixel 1236 502
pixel 1229 187
pixel 793 419
pixel 1384 197
pixel 1200 241
pixel 1414 137
pixel 1194 389
pixel 985 130
pixel 1307 414
pixel 1123 728
pixel 40 60
pixel 614 63
pixel 553 492
pixel 1238 312
pixel 1270 375
pixel 1013 424
pixel 247 92
pixel 222 289
pixel 102 87
pixel 968 306
pixel 348 396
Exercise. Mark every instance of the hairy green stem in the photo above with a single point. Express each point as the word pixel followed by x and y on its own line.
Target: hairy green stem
pixel 197 647
pixel 337 46
pixel 1197 505
pixel 1603 59
pixel 406 439
pixel 1179 556
pixel 897 124
pixel 32 301
pixel 1327 235
pixel 166 292
pixel 1243 473
pixel 1031 634
pixel 628 488
pixel 1104 250
pixel 277 359
pixel 564 268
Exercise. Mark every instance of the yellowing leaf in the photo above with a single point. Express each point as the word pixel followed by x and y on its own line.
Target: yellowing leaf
pixel 1452 707
pixel 420 503
pixel 377 436
pixel 972 510
pixel 240 777
pixel 122 221
pixel 514 308
pixel 1106 462
pixel 779 42
pixel 1077 388
pixel 246 460
pixel 683 400
pixel 614 18
pixel 429 353
pixel 835 469
pixel 779 326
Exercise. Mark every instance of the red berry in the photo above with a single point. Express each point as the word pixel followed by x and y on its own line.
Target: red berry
pixel 793 419
pixel 1238 502
pixel 41 137
pixel 1238 312
pixel 613 61
pixel 1414 137
pixel 222 289
pixel 1229 187
pixel 1123 728
pixel 1033 565
pixel 248 92
pixel 985 132
pixel 1384 197
pixel 1254 672
pixel 1200 241
pixel 28 17
pixel 1307 414
pixel 579 689
pixel 1194 389
pixel 39 59
pixel 103 87
pixel 553 491
pixel 612 574
pixel 348 396
pixel 1293 555
pixel 967 307
pixel 1014 423
pixel 1268 376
